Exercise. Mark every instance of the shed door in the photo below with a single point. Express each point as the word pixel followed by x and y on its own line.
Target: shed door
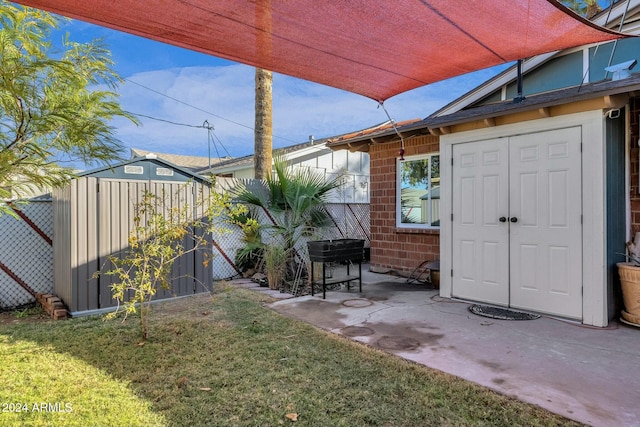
pixel 532 260
pixel 546 242
pixel 480 240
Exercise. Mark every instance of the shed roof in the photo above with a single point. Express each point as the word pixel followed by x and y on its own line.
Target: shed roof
pixel 194 163
pixel 374 48
pixel 110 171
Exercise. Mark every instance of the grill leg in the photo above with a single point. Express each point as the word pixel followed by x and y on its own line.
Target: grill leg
pixel 324 282
pixel 312 277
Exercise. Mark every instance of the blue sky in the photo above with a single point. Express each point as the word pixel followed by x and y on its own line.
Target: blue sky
pixel 185 87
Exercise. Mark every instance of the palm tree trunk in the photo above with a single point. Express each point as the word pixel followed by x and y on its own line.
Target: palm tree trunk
pixel 264 124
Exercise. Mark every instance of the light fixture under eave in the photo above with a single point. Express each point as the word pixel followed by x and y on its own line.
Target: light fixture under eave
pixel 401 154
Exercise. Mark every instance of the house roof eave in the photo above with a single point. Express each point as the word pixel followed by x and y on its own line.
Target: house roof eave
pixel 610 90
pixel 361 142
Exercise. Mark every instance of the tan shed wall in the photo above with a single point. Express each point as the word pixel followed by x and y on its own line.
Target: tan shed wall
pixel 93 218
pixel 62 242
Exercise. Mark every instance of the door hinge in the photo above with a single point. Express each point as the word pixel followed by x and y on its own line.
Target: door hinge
pixel 97 186
pixel 581 147
pixel 452 161
pixel 581 219
pixel 452 217
pixel 452 272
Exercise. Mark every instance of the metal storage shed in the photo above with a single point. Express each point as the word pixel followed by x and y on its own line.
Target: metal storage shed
pixel 93 217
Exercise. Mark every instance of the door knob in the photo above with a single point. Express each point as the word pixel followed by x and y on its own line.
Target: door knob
pixel 513 219
pixel 502 219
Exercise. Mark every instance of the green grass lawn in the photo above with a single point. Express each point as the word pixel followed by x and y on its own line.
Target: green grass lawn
pixel 225 360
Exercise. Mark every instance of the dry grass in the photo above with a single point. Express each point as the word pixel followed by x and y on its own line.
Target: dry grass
pixel 225 360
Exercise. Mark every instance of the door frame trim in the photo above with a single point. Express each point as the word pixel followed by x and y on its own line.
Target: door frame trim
pixel 594 299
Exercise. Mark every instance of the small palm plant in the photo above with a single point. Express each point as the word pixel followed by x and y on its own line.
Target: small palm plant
pixel 296 200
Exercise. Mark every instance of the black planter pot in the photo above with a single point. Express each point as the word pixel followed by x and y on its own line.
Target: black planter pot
pixel 336 250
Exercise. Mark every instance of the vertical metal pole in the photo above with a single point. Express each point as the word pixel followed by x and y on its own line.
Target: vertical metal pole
pixel 312 277
pixel 324 281
pixel 208 128
pixel 520 97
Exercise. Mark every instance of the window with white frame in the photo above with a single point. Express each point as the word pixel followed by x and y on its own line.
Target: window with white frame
pixel 418 192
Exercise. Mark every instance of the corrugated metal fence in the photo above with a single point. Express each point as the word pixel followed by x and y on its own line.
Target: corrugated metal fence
pixel 101 225
pixel 93 220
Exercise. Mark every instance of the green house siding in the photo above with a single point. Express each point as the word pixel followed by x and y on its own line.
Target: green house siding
pixel 558 73
pixel 567 70
pixel 494 97
pixel 616 207
pixel 625 50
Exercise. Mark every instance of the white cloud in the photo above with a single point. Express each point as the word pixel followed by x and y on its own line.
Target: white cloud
pixel 300 108
pixel 223 94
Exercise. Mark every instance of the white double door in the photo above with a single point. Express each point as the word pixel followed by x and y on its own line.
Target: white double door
pixel 517 232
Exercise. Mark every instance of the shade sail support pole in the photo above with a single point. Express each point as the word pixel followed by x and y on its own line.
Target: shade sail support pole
pixel 520 97
pixel 615 43
pixel 395 128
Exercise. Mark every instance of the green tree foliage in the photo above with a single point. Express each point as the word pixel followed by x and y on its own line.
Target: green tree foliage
pixel 415 173
pixel 56 104
pixel 250 256
pixel 586 8
pixel 166 227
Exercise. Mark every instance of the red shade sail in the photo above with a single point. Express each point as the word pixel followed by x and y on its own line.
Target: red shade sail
pixel 374 48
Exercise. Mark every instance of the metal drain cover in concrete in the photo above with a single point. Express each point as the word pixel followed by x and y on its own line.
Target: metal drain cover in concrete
pixel 357 331
pixel 357 303
pixel 397 343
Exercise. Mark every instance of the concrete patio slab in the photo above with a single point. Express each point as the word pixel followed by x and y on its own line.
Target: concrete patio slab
pixel 583 373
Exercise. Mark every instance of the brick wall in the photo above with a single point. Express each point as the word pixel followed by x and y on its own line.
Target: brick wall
pixel 397 249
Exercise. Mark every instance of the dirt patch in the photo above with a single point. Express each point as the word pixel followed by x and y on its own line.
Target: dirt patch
pixel 27 315
pixel 190 305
